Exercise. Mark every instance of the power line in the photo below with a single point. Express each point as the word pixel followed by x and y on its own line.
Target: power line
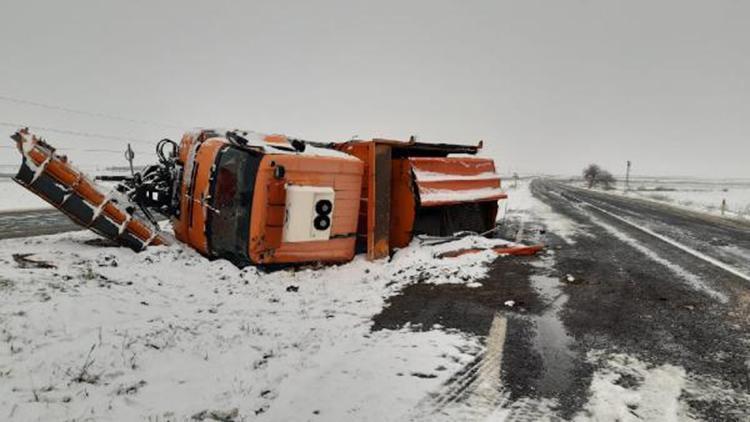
pixel 87 113
pixel 77 133
pixel 84 149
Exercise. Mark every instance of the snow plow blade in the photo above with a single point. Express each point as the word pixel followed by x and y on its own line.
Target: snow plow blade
pixel 109 214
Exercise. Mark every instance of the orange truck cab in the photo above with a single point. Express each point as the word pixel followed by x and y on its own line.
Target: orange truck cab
pixel 266 199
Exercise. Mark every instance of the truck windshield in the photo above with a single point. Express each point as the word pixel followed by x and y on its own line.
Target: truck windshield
pixel 230 204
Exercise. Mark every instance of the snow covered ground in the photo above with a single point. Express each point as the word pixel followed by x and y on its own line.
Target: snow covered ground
pixel 522 202
pixel 107 333
pixel 627 389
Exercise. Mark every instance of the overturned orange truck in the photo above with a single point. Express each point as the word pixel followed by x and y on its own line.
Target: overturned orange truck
pixel 269 199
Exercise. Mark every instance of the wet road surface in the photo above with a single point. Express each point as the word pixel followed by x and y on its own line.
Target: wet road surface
pixel 660 284
pixel 34 223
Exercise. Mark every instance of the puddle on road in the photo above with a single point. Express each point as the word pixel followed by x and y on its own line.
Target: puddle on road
pixel 551 340
pixel 536 334
pixel 547 286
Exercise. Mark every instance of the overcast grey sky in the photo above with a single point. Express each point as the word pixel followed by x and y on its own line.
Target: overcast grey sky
pixel 549 85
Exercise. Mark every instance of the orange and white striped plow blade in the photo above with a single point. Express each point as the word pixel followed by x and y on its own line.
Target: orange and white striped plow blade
pixel 54 179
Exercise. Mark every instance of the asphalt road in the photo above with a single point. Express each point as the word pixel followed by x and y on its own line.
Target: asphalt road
pixel 34 223
pixel 660 284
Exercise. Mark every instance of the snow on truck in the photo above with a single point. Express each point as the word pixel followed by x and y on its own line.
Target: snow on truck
pixel 257 199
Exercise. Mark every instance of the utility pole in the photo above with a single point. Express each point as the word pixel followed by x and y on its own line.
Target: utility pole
pixel 129 155
pixel 627 177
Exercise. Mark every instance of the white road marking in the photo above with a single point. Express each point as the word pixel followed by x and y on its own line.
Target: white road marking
pixel 489 386
pixel 480 384
pixel 678 270
pixel 678 245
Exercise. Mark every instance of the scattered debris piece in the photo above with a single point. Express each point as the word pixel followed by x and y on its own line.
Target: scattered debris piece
pixel 570 279
pixel 423 375
pixel 509 303
pixel 130 389
pixel 84 377
pixel 217 415
pixel 515 249
pixel 23 261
